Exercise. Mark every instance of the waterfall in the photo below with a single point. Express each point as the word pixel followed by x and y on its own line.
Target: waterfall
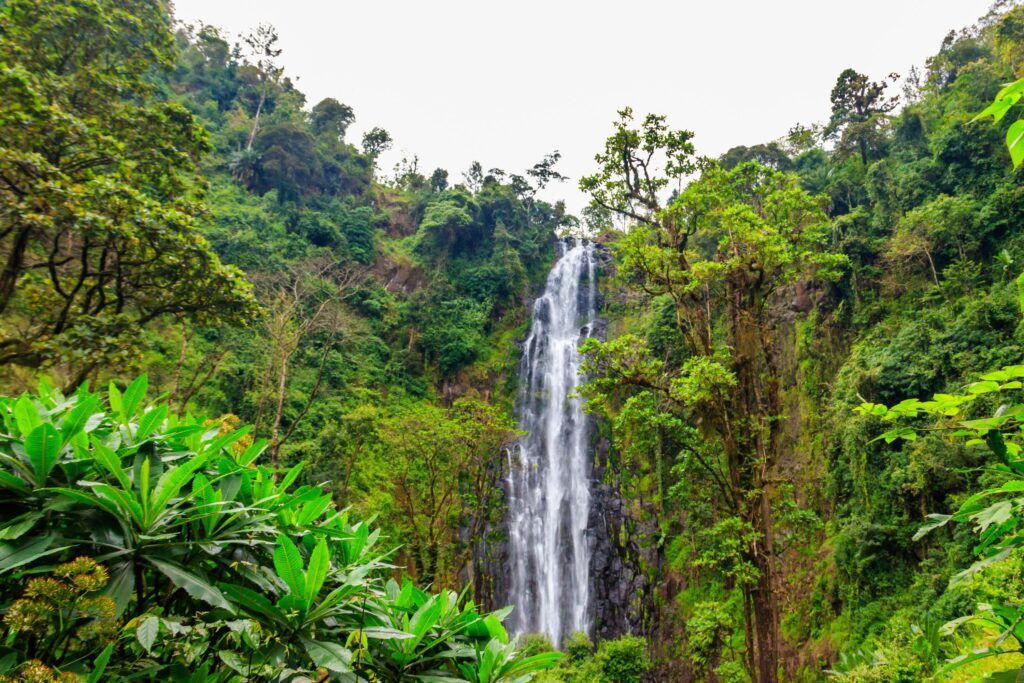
pixel 550 467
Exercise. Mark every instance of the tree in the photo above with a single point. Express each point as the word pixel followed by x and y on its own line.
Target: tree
pixel 628 181
pixel 302 302
pixel 859 108
pixel 376 141
pixel 544 173
pixel 449 223
pixel 99 188
pixel 771 154
pixel 287 162
pixel 439 180
pixel 262 44
pixel 946 226
pixel 443 480
pixel 331 117
pixel 722 252
pixel 474 177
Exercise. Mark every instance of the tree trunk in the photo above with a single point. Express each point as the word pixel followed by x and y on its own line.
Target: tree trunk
pixel 256 120
pixel 275 433
pixel 12 269
pixel 766 623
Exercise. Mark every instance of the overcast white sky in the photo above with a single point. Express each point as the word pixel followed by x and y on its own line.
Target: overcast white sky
pixel 505 83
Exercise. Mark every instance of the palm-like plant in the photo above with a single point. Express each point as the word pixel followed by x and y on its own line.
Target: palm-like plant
pixel 249 576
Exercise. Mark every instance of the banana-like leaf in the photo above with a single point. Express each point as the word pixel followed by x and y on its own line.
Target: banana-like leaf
pixel 14 555
pixel 43 445
pixel 330 656
pixel 288 563
pixel 316 574
pixel 26 415
pixel 192 584
pixel 133 397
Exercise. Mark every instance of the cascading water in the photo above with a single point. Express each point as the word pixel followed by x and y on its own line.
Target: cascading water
pixel 549 469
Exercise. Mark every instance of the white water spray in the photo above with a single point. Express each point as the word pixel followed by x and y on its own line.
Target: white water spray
pixel 549 469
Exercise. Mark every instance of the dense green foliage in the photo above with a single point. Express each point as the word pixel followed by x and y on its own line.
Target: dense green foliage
pixel 99 189
pixel 736 366
pixel 206 565
pixel 170 202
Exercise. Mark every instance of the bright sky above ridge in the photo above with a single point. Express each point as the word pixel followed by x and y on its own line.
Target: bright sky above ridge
pixel 505 83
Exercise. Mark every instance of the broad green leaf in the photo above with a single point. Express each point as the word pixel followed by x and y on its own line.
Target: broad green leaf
pixel 75 421
pixel 255 603
pixel 1015 142
pixel 9 481
pixel 495 629
pixel 382 633
pixel 237 663
pixel 26 415
pixel 1020 292
pixel 8 662
pixel 114 398
pixel 225 440
pixel 192 584
pixel 150 421
pixel 14 555
pixel 133 397
pixel 966 574
pixel 290 477
pixel 312 510
pixel 125 504
pixel 935 522
pixel 88 499
pixel 43 446
pixel 174 479
pixel 997 513
pixel 110 462
pixel 330 656
pixel 288 563
pixel 999 107
pixel 19 526
pixel 99 665
pixel 316 574
pixel 983 387
pixel 121 586
pixel 147 631
pixel 1013 88
pixel 252 452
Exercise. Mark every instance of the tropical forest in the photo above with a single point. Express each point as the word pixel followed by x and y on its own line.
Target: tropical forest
pixel 281 403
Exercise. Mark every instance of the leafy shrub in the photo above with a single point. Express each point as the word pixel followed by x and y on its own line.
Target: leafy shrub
pixel 219 568
pixel 623 660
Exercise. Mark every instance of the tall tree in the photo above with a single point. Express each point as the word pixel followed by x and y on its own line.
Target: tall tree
pixel 303 303
pixel 722 252
pixel 262 47
pixel 376 141
pixel 98 187
pixel 329 116
pixel 444 479
pixel 859 109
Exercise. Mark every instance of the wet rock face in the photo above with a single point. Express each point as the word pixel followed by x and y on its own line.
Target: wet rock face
pixel 618 584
